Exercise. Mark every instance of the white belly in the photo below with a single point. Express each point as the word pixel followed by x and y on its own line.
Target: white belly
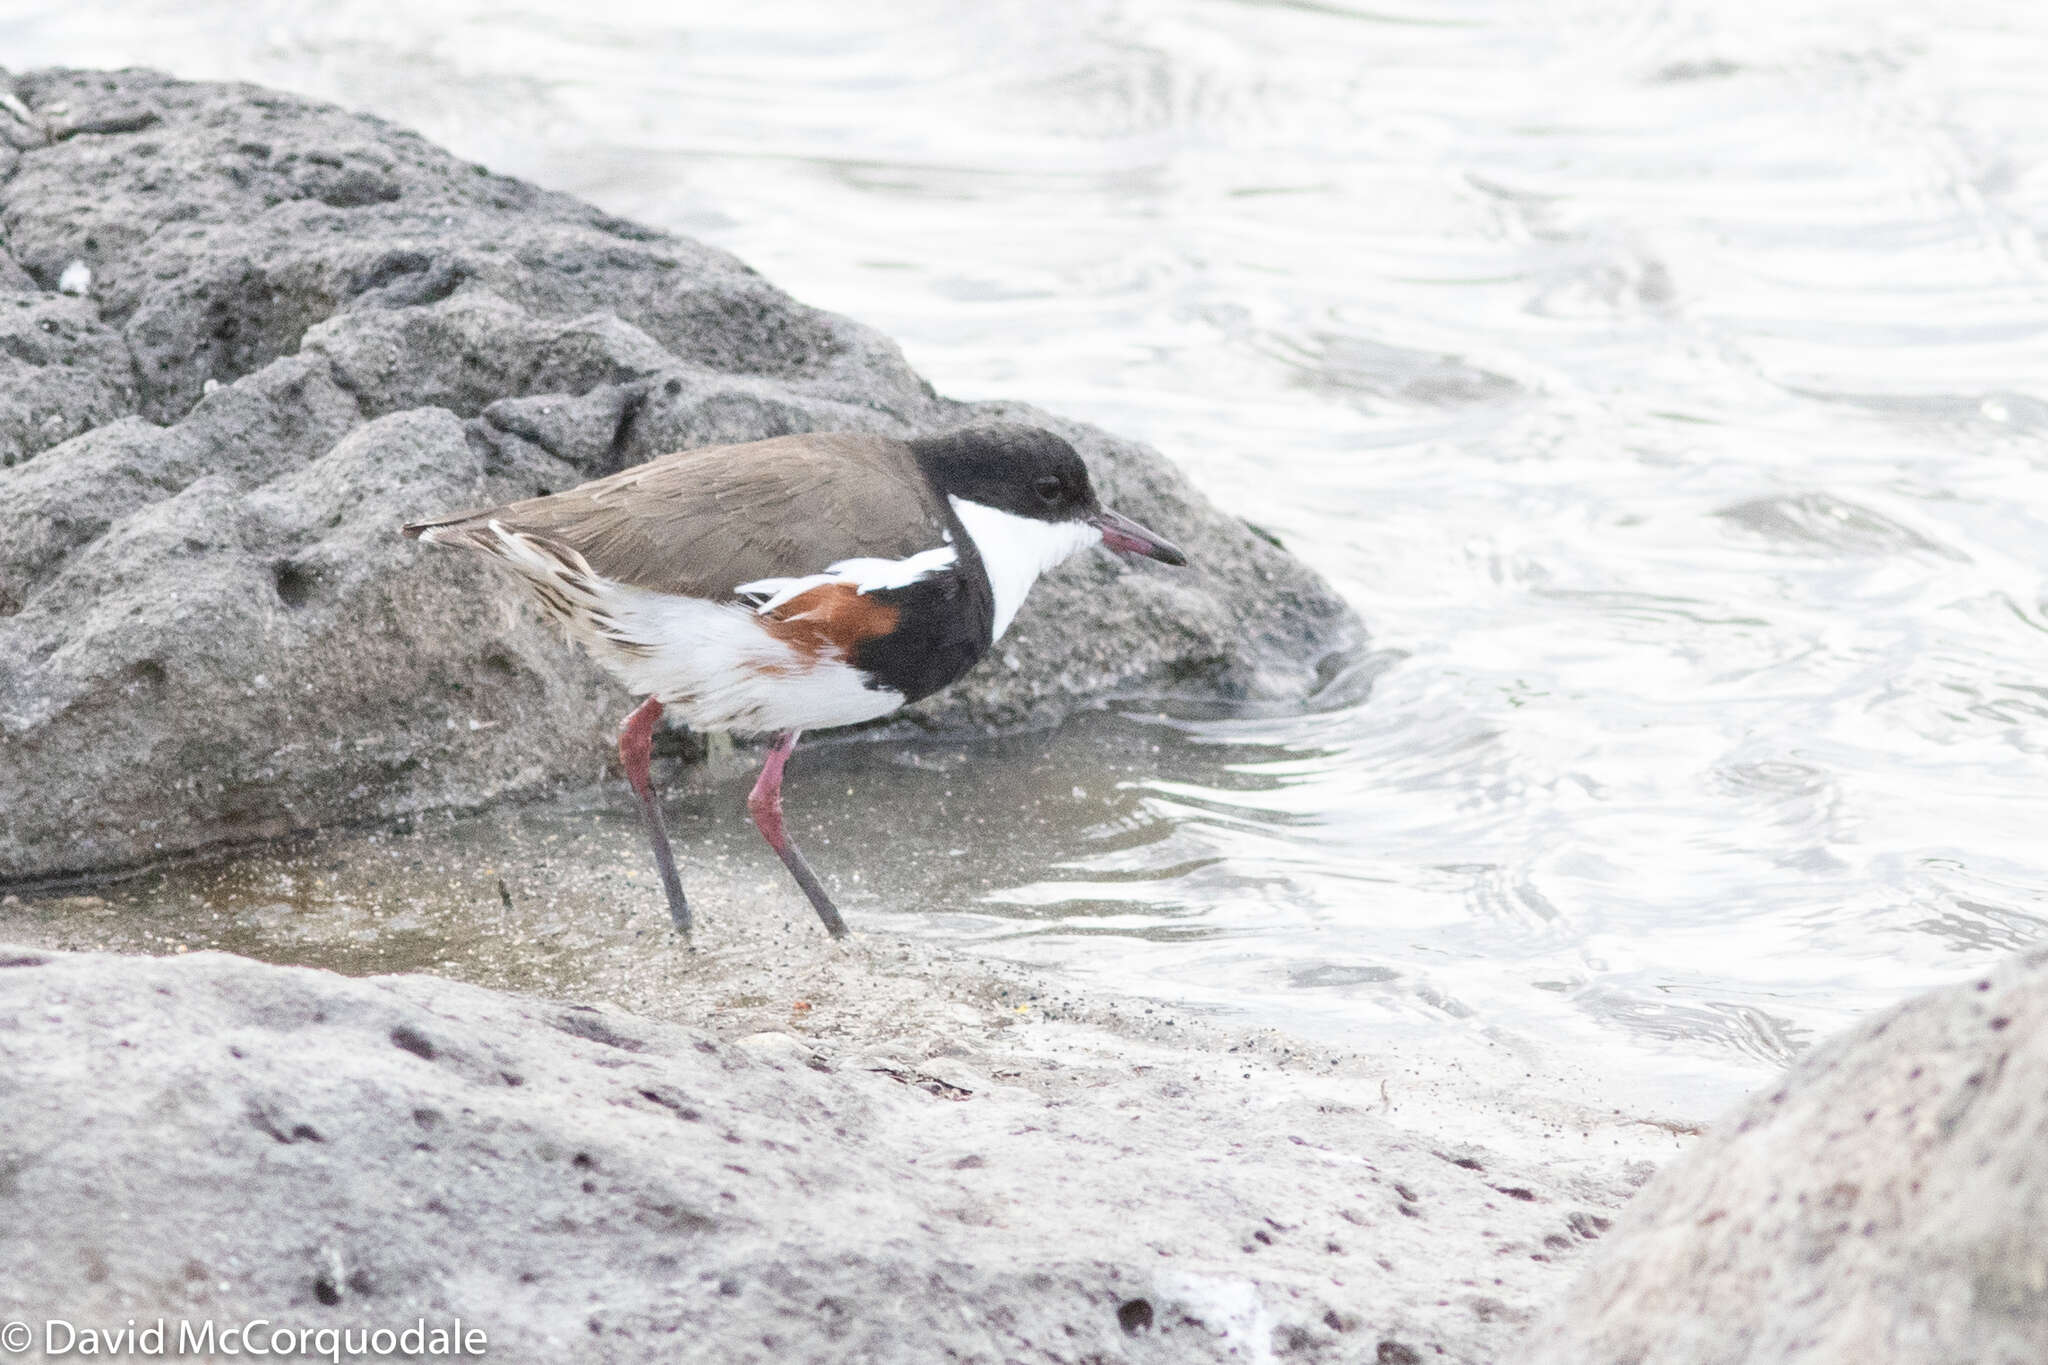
pixel 716 667
pixel 715 663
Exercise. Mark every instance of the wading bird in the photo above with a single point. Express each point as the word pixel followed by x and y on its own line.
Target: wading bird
pixel 797 583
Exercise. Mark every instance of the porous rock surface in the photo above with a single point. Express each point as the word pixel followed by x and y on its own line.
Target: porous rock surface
pixel 939 1178
pixel 244 335
pixel 1888 1200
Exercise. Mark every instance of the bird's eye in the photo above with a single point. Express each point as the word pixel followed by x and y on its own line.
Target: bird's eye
pixel 1048 488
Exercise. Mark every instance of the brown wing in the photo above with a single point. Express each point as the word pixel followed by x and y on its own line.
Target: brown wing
pixel 701 522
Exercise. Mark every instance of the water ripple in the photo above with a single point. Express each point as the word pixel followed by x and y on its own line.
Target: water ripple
pixel 1663 382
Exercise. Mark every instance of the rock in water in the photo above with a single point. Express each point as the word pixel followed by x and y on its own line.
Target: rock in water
pixel 1887 1201
pixel 300 327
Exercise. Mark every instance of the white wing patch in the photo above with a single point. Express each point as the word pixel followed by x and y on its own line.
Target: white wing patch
pixel 1016 550
pixel 867 575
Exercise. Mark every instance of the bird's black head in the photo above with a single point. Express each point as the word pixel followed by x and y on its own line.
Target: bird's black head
pixel 1021 470
pixel 1029 472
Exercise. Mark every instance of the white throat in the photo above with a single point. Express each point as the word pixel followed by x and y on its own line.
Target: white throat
pixel 1016 550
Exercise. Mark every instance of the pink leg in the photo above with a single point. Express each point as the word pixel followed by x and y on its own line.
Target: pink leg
pixel 636 741
pixel 764 803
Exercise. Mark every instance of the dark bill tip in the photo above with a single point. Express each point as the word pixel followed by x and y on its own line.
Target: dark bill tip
pixel 1122 534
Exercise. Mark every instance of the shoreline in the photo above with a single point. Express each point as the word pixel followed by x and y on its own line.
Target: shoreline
pixel 1254 1190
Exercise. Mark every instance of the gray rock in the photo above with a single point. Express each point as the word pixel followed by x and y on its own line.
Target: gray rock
pixel 62 371
pixel 204 1137
pixel 1888 1200
pixel 302 326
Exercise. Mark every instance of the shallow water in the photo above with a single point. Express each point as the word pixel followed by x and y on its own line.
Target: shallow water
pixel 1663 383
